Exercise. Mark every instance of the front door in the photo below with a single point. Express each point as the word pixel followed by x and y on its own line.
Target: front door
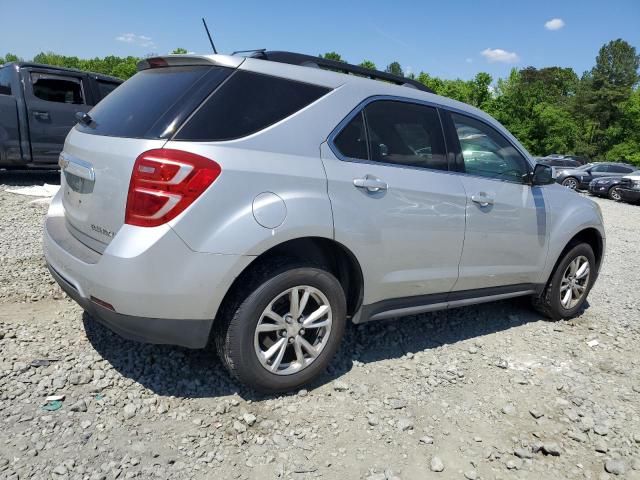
pixel 506 236
pixel 53 99
pixel 395 204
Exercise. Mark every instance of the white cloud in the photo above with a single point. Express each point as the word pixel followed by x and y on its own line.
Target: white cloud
pixel 554 24
pixel 498 55
pixel 140 40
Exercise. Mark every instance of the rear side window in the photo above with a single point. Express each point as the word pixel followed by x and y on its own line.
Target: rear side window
pixel 151 103
pixel 105 88
pixel 57 88
pixel 5 81
pixel 246 103
pixel 405 134
pixel 620 169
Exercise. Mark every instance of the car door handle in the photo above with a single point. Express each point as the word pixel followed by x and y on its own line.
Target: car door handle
pixel 41 115
pixel 371 183
pixel 482 199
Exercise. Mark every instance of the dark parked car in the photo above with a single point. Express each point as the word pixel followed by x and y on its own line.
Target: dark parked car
pixel 575 158
pixel 630 188
pixel 609 186
pixel 581 177
pixel 38 106
pixel 559 162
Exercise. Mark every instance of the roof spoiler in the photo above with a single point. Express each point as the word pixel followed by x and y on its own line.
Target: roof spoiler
pixel 189 60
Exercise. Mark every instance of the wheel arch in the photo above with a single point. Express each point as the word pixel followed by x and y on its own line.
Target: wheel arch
pixel 588 235
pixel 319 251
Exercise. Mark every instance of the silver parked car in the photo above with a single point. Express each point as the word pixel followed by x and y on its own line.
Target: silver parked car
pixel 259 204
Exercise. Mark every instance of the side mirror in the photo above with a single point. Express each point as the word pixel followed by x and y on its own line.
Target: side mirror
pixel 542 175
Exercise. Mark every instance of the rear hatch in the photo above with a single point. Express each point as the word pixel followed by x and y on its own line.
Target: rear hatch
pixel 142 114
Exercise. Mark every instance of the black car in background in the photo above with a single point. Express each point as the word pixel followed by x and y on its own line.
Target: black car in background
pixel 609 186
pixel 579 178
pixel 630 188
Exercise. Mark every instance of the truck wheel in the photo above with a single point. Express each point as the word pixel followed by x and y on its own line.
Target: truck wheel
pixel 283 333
pixel 569 285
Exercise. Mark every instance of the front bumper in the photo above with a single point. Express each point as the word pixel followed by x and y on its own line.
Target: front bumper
pixel 629 194
pixel 161 291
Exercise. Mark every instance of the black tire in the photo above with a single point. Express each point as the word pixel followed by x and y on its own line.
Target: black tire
pixel 614 194
pixel 571 182
pixel 548 303
pixel 235 329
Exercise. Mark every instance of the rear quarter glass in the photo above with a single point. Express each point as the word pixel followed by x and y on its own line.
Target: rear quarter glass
pixel 247 103
pixel 153 102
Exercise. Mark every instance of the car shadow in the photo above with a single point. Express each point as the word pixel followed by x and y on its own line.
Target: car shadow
pixel 23 178
pixel 181 372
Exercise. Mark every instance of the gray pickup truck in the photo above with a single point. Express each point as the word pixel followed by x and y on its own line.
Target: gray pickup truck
pixel 38 107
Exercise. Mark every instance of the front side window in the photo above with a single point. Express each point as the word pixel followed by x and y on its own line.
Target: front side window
pixel 57 88
pixel 600 168
pixel 404 133
pixel 486 153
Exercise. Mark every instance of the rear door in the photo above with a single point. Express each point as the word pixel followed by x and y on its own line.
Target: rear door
pixel 395 204
pixel 506 219
pixel 53 98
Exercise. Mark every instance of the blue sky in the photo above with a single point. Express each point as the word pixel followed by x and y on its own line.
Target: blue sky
pixel 447 39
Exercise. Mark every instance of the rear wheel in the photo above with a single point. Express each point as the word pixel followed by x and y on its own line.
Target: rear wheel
pixel 283 333
pixel 570 182
pixel 614 194
pixel 569 285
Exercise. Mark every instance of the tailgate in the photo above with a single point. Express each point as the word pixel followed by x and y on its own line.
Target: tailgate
pixel 95 180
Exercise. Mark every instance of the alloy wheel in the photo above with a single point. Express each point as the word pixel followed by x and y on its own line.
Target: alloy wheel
pixel 570 183
pixel 293 330
pixel 575 279
pixel 614 194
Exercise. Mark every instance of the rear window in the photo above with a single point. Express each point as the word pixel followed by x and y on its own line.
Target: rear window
pixel 152 102
pixel 246 103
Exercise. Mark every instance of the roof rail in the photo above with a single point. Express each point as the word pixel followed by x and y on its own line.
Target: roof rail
pixel 317 62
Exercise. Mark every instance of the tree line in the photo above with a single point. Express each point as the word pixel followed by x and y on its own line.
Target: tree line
pixel 550 110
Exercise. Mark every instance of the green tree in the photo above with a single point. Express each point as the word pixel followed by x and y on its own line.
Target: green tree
pixel 395 69
pixel 179 50
pixel 332 56
pixel 368 64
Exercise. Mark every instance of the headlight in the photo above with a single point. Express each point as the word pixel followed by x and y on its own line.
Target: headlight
pixel 636 184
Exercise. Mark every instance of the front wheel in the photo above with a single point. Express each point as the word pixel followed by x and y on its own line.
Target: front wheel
pixel 284 333
pixel 571 183
pixel 614 194
pixel 569 285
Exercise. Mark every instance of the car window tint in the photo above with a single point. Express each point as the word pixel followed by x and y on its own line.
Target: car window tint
pixel 5 81
pixel 105 88
pixel 404 133
pixel 352 140
pixel 149 103
pixel 246 103
pixel 487 153
pixel 57 88
pixel 600 168
pixel 620 169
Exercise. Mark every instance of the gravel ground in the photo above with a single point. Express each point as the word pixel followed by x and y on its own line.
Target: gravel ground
pixel 492 391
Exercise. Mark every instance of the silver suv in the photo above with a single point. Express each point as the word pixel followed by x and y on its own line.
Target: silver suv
pixel 259 203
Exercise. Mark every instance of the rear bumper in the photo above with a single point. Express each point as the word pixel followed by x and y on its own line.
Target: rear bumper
pixel 629 195
pixel 161 291
pixel 186 333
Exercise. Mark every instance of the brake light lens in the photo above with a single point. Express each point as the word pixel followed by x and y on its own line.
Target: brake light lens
pixel 164 182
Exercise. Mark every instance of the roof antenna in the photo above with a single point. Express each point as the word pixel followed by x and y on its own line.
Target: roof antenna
pixel 209 35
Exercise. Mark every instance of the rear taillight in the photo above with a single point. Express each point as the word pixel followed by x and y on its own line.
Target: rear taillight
pixel 164 183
